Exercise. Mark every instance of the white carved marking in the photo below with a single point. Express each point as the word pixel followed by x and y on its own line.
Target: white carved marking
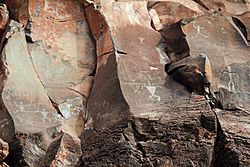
pixel 151 90
pixel 198 28
pixel 153 68
pixel 141 39
pixel 231 85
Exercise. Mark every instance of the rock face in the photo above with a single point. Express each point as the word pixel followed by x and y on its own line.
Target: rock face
pixel 3 152
pixel 125 83
pixel 23 93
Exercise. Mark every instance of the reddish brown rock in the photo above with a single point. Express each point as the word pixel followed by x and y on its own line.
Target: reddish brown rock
pixel 64 150
pixel 4 150
pixel 133 102
pixel 18 10
pixel 98 68
pixel 229 7
pixel 170 12
pixel 100 31
pixel 58 91
pixel 223 39
pixel 4 16
pixel 23 94
pixel 215 36
pixel 63 67
pixel 68 90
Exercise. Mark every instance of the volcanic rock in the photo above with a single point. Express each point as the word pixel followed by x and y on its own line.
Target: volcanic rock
pixel 83 83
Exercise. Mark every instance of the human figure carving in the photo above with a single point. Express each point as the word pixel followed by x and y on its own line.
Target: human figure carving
pixel 198 28
pixel 231 85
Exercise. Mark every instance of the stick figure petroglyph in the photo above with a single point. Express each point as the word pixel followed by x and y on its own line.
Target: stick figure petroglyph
pixel 231 85
pixel 143 80
pixel 135 87
pixel 152 90
pixel 198 28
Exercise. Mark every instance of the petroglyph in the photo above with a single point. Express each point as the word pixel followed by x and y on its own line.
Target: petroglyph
pixel 153 68
pixel 198 28
pixel 141 39
pixel 135 87
pixel 152 90
pixel 232 76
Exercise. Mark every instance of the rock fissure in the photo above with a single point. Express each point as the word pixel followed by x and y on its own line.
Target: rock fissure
pixel 100 64
pixel 53 103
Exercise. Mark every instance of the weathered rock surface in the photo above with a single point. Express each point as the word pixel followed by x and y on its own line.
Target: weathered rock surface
pixel 125 83
pixel 144 117
pixel 4 151
pixel 63 151
pixel 23 94
pixel 61 74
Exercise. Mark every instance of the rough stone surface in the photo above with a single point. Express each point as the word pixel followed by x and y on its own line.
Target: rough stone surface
pixel 63 151
pixel 23 94
pixel 125 83
pixel 4 150
pixel 144 137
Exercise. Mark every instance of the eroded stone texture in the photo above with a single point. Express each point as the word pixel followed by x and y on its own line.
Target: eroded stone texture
pixel 64 150
pixel 68 46
pixel 4 150
pixel 223 41
pixel 32 147
pixel 214 36
pixel 234 146
pixel 155 102
pixel 136 114
pixel 18 10
pixel 7 130
pixel 56 51
pixel 170 12
pixel 23 94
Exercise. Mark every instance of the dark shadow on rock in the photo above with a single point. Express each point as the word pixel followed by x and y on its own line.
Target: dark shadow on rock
pixel 106 104
pixel 241 26
pixel 176 45
pixel 223 156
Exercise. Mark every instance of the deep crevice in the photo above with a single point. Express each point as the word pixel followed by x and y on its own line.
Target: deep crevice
pixel 15 157
pixel 141 149
pixel 178 49
pixel 53 103
pixel 223 155
pixel 51 151
pixel 27 31
pixel 241 26
pixel 201 4
pixel 137 134
pixel 121 52
pixel 94 42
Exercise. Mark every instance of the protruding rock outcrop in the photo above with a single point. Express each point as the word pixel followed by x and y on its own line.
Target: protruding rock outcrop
pixel 83 83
